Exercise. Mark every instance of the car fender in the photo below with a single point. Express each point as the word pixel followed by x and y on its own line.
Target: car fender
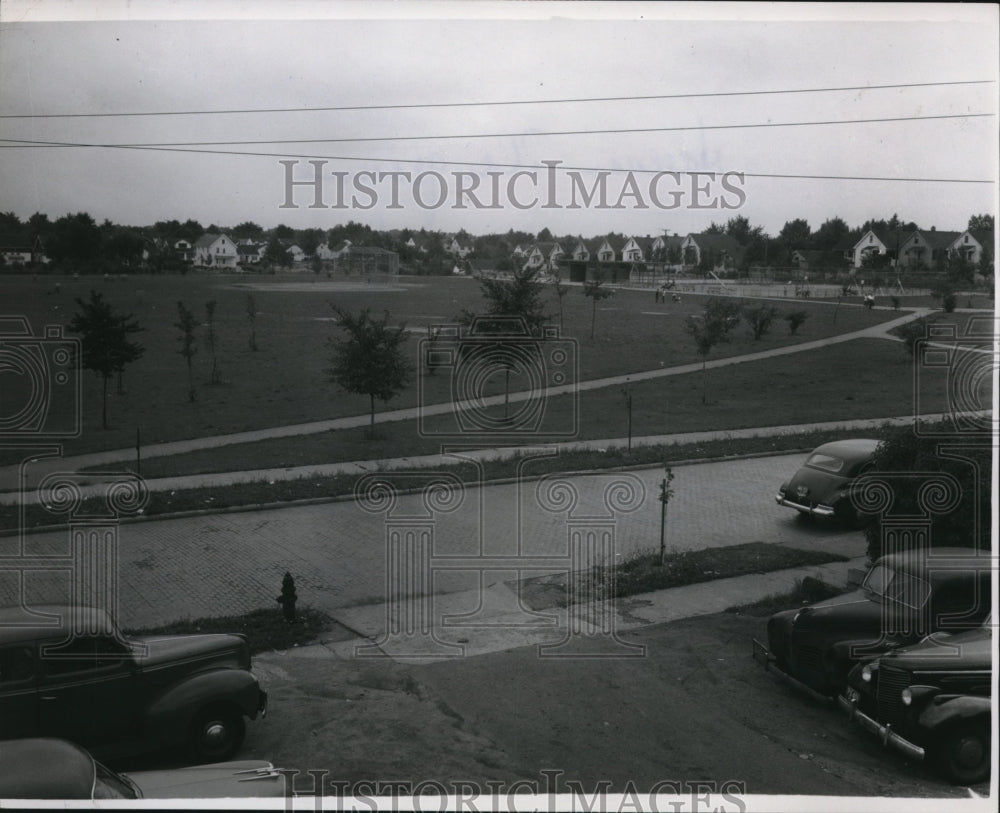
pixel 169 717
pixel 945 710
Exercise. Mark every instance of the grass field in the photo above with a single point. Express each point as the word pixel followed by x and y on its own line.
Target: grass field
pixel 285 381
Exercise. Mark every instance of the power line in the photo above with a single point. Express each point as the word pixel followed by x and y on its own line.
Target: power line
pixel 540 167
pixel 467 136
pixel 507 103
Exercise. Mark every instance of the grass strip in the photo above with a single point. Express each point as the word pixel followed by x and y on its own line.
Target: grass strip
pixel 265 629
pixel 643 573
pixel 807 591
pixel 263 492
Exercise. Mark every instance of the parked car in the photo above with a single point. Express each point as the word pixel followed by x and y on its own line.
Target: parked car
pixel 904 596
pixel 931 701
pixel 822 486
pixel 44 768
pixel 69 672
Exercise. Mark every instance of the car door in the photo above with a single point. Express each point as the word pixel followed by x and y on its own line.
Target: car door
pixel 18 700
pixel 88 690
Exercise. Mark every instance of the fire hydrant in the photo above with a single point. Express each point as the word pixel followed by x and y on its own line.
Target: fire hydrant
pixel 288 597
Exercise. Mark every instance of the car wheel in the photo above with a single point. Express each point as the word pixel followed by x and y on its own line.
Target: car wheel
pixel 962 753
pixel 217 733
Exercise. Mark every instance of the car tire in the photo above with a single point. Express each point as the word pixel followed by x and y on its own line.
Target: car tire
pixel 962 753
pixel 217 733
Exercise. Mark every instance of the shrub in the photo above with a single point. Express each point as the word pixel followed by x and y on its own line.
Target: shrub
pixel 760 320
pixel 795 320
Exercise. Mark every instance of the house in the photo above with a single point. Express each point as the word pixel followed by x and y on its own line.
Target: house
pixel 325 252
pixel 926 249
pixel 294 251
pixel 184 250
pixel 544 256
pixel 458 248
pixel 215 251
pixel 969 245
pixel 666 249
pixel 718 251
pixel 636 250
pixel 521 251
pixel 879 242
pixel 604 249
pixel 16 255
pixel 580 252
pixel 250 252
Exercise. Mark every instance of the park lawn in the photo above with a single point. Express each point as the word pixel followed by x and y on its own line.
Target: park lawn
pixel 286 382
pixel 864 378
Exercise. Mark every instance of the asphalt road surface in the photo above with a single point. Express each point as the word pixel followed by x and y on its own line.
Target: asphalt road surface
pixel 227 563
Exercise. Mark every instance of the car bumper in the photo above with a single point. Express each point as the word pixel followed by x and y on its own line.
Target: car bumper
pixel 849 704
pixel 812 510
pixel 765 658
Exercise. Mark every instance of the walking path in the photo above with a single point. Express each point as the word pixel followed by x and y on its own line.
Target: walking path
pixel 10 476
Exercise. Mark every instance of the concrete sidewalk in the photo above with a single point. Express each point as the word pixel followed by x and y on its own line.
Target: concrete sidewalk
pixel 471 623
pixel 31 496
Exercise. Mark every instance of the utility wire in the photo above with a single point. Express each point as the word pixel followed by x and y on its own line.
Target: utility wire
pixel 539 167
pixel 466 136
pixel 429 105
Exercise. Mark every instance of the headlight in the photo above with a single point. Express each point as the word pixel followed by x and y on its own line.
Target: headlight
pixel 868 672
pixel 917 693
pixel 907 696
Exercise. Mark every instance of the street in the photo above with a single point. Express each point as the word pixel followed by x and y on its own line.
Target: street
pixel 233 562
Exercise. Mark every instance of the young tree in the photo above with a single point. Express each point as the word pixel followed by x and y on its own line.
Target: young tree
pixel 519 296
pixel 212 341
pixel 760 320
pixel 795 320
pixel 186 324
pixel 594 288
pixel 561 291
pixel 711 328
pixel 252 319
pixel 106 348
pixel 370 359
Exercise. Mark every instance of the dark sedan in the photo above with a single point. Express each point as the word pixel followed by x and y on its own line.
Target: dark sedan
pixel 821 488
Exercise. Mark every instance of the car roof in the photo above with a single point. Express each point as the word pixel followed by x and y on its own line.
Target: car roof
pixel 852 447
pixel 19 624
pixel 43 768
pixel 937 561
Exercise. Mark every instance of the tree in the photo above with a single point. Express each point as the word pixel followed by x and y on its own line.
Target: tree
pixel 561 291
pixel 277 254
pixel 106 348
pixel 212 341
pixel 370 360
pixel 519 296
pixel 830 234
pixel 711 328
pixel 594 288
pixel 760 320
pixel 981 223
pixel 186 323
pixel 921 459
pixel 252 319
pixel 795 320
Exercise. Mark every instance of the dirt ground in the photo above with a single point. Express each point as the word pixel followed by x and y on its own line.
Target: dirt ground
pixel 694 708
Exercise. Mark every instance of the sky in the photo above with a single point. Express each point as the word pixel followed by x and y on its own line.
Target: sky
pixel 411 72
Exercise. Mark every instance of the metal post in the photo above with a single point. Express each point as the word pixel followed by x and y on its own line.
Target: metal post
pixel 138 461
pixel 663 520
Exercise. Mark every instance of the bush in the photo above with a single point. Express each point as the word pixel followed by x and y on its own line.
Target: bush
pixel 760 320
pixel 795 320
pixel 911 333
pixel 911 464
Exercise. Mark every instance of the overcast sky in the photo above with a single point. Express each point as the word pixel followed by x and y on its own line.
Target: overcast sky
pixel 461 53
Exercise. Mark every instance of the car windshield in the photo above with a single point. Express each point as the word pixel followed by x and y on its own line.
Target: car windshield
pixel 886 584
pixel 825 462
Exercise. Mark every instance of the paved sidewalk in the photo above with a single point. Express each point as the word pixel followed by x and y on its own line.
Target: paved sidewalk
pixel 501 623
pixel 31 496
